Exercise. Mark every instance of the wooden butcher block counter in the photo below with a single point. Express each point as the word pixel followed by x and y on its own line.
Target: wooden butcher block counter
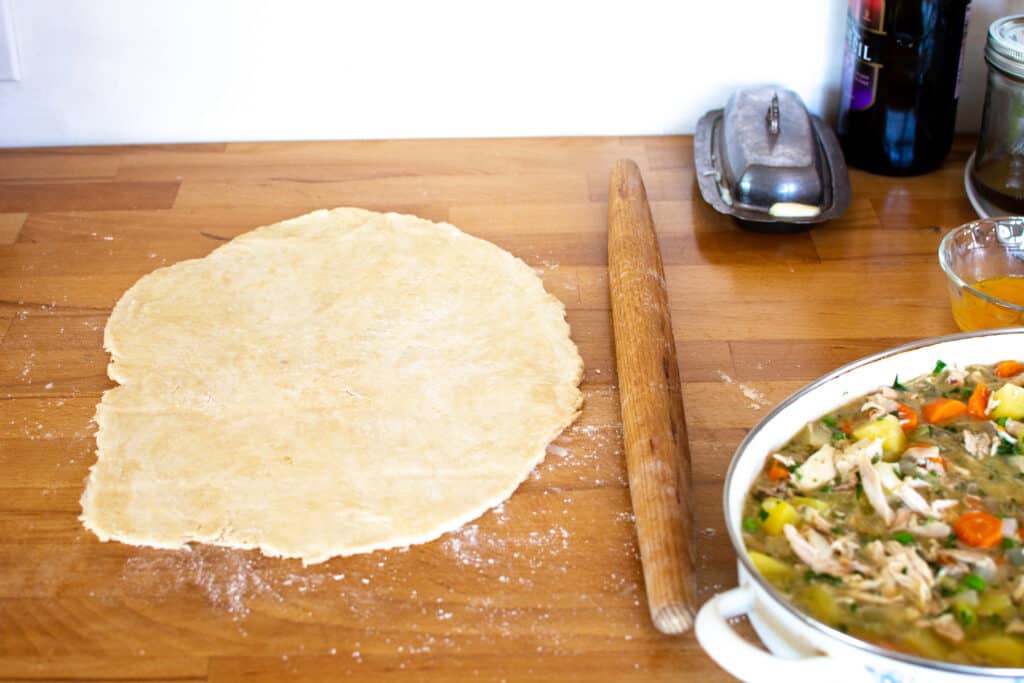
pixel 547 586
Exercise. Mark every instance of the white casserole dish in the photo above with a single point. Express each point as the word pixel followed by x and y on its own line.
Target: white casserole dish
pixel 801 647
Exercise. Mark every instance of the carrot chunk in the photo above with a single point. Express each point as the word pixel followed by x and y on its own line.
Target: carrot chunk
pixel 979 529
pixel 941 410
pixel 777 472
pixel 977 404
pixel 1009 368
pixel 907 416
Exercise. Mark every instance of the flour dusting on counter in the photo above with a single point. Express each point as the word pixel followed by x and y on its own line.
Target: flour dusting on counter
pixel 757 398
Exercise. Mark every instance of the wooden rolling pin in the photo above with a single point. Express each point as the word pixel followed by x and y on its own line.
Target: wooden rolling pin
pixel 652 407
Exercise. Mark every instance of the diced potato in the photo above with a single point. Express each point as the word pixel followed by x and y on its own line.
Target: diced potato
pixel 819 505
pixel 888 429
pixel 780 513
pixel 821 604
pixel 1011 402
pixel 770 568
pixel 994 602
pixel 924 643
pixel 1000 650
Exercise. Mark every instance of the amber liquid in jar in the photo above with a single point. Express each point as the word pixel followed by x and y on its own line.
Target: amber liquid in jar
pixel 1001 181
pixel 998 169
pixel 971 312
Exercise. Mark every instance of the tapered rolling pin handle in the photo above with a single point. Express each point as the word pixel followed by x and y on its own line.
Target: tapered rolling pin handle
pixel 657 457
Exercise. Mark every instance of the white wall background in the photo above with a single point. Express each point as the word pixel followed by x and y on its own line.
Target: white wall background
pixel 121 71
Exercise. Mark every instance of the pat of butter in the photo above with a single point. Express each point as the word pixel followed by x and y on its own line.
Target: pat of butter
pixel 793 210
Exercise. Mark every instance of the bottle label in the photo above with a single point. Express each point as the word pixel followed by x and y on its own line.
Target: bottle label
pixel 861 64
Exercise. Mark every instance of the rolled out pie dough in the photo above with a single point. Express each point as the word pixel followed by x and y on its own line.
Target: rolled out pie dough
pixel 328 385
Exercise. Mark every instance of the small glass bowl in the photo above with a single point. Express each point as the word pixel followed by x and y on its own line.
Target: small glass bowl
pixel 984 266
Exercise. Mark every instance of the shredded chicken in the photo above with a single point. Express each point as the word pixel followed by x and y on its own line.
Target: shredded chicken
pixel 817 470
pixel 815 557
pixel 880 403
pixel 902 518
pixel 959 471
pixel 906 569
pixel 815 519
pixel 955 376
pixel 872 485
pixel 875 551
pixel 784 459
pixel 1015 626
pixel 930 529
pixel 873 598
pixel 913 500
pixel 847 549
pixel 1018 590
pixel 958 562
pixel 927 458
pixel 1014 428
pixel 944 504
pixel 979 444
pixel 846 459
pixel 946 626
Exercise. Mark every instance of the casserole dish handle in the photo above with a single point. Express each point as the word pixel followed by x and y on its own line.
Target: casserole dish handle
pixel 742 659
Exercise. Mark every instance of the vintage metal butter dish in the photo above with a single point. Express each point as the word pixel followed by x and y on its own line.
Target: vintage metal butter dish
pixel 768 162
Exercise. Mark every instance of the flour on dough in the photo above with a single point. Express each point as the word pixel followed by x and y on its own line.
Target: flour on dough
pixel 328 385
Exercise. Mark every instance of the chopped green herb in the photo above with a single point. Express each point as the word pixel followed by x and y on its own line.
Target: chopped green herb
pixel 904 537
pixel 939 367
pixel 974 582
pixel 964 614
pixel 838 530
pixel 763 514
pixel 829 421
pixel 896 384
pixel 950 541
pixel 826 488
pixel 1008 543
pixel 1006 448
pixel 1001 421
pixel 811 575
pixel 750 524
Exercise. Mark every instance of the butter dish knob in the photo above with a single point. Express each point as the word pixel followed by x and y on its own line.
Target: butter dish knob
pixel 773 115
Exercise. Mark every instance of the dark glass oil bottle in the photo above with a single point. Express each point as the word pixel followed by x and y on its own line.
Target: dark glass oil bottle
pixel 901 77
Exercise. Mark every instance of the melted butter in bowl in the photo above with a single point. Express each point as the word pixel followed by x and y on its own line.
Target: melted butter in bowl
pixel 984 266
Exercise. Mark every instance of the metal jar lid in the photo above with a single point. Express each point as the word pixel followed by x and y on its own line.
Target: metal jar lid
pixel 1005 47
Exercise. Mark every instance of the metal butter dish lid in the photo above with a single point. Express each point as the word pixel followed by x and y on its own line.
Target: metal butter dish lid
pixel 768 162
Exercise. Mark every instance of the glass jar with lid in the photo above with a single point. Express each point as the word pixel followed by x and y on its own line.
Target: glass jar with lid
pixel 998 169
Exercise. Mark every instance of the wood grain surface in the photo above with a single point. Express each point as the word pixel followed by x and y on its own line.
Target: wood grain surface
pixel 547 587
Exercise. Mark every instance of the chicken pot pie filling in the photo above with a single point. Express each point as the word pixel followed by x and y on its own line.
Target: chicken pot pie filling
pixel 899 517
